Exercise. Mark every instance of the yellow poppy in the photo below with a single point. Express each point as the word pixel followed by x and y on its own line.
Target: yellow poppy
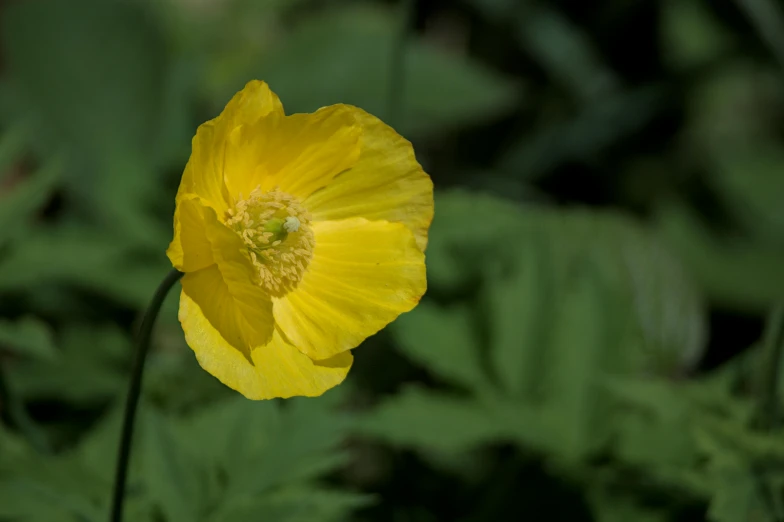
pixel 299 237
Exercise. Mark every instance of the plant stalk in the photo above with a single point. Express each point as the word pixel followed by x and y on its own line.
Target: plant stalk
pixel 134 391
pixel 773 349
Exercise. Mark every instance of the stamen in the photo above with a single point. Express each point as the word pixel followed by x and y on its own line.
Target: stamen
pixel 275 229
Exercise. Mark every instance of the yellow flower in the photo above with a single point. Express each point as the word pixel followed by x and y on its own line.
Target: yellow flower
pixel 299 236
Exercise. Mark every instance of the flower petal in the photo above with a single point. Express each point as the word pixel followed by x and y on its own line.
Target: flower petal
pixel 298 154
pixel 362 276
pixel 204 172
pixel 386 183
pixel 278 369
pixel 190 250
pixel 243 321
pixel 238 276
pixel 252 103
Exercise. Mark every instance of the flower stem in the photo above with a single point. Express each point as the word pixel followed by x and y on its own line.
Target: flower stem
pixel 397 72
pixel 134 390
pixel 773 349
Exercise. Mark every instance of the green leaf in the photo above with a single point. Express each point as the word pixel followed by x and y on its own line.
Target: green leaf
pixel 12 147
pixel 736 273
pixel 442 339
pixel 581 343
pixel 750 182
pixel 565 53
pixel 656 432
pixel 496 8
pixel 346 52
pixel 768 19
pixel 518 301
pixel 737 499
pixel 577 296
pixel 738 105
pixel 258 446
pixel 28 500
pixel 174 484
pixel 608 507
pixel 296 505
pixel 584 135
pixel 691 34
pixel 105 106
pixel 453 261
pixel 28 336
pixel 431 420
pixel 669 309
pixel 84 258
pixel 26 198
pixel 90 367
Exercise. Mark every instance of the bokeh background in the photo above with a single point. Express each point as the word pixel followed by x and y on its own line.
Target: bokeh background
pixel 599 338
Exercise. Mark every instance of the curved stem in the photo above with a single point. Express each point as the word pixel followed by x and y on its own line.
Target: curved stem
pixel 134 390
pixel 773 349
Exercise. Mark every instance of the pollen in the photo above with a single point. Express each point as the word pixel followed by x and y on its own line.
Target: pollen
pixel 275 229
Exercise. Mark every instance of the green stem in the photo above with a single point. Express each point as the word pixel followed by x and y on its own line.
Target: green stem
pixel 773 349
pixel 397 73
pixel 134 390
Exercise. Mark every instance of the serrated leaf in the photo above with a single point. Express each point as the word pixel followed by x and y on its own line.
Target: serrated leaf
pixel 302 446
pixel 738 497
pixel 454 262
pixel 28 336
pixel 347 51
pixel 589 132
pixel 295 505
pixel 85 259
pixel 90 367
pixel 518 301
pixel 28 500
pixel 12 146
pixel 656 432
pixel 19 204
pixel 442 339
pixel 104 107
pixel 577 296
pixel 667 304
pixel 259 446
pixel 736 273
pixel 565 53
pixel 608 507
pixel 691 34
pixel 581 341
pixel 173 481
pixel 750 181
pixel 738 105
pixel 422 419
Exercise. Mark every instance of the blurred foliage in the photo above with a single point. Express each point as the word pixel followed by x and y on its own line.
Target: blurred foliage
pixel 609 236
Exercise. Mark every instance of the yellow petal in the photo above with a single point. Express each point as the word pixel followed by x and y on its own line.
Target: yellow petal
pixel 386 183
pixel 252 103
pixel 362 276
pixel 243 320
pixel 204 172
pixel 190 250
pixel 278 369
pixel 298 154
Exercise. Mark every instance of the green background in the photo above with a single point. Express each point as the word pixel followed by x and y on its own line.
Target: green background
pixel 598 340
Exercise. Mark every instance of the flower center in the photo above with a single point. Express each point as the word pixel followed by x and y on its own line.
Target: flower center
pixel 276 231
